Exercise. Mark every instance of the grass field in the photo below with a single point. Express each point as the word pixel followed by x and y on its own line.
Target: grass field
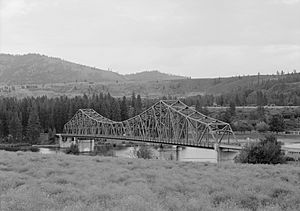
pixel 32 181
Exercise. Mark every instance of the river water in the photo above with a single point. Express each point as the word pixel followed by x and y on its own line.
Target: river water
pixel 166 152
pixel 162 153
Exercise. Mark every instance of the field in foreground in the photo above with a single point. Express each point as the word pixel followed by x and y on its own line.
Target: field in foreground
pixel 32 181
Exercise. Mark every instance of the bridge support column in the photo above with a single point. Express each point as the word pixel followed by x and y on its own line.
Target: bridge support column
pixel 177 153
pixel 218 149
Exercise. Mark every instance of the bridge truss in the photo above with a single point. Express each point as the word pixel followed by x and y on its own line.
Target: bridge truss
pixel 169 122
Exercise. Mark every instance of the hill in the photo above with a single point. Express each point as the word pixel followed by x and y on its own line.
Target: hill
pixel 152 76
pixel 40 69
pixel 32 181
pixel 36 75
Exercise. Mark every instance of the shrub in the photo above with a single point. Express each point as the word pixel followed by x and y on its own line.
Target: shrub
pixel 18 147
pixel 143 152
pixel 262 127
pixel 267 151
pixel 277 123
pixel 73 149
pixel 34 149
pixel 242 125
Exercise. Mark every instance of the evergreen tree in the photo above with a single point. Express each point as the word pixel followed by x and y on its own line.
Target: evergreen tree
pixel 277 123
pixel 133 103
pixel 261 112
pixel 198 107
pixel 237 100
pixel 115 111
pixel 124 109
pixel 33 126
pixel 15 127
pixel 138 105
pixel 232 108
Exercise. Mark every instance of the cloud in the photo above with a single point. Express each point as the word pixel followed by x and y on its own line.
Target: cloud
pixel 290 1
pixel 14 8
pixel 201 38
pixel 287 2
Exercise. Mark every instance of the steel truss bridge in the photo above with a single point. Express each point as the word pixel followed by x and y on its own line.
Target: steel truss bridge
pixel 166 122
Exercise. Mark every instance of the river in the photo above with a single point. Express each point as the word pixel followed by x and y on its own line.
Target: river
pixel 168 152
pixel 162 153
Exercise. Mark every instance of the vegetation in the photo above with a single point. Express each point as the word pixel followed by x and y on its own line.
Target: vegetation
pixel 18 147
pixel 73 149
pixel 277 123
pixel 143 151
pixel 33 126
pixel 21 120
pixel 267 151
pixel 56 77
pixel 20 69
pixel 32 181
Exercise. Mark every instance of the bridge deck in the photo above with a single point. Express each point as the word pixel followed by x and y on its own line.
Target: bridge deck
pixel 206 145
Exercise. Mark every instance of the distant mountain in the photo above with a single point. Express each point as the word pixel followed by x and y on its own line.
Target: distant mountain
pixel 152 76
pixel 38 69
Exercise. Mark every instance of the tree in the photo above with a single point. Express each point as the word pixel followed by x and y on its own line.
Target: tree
pixel 262 127
pixel 138 104
pixel 33 126
pixel 124 109
pixel 15 127
pixel 144 152
pixel 115 111
pixel 198 106
pixel 201 109
pixel 133 103
pixel 277 123
pixel 232 108
pixel 261 112
pixel 267 151
pixel 237 100
pixel 242 125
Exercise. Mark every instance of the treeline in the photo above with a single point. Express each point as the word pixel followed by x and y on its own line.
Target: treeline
pixel 22 120
pixel 281 90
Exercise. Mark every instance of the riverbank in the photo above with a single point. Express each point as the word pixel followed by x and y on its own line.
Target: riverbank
pixel 19 147
pixel 286 139
pixel 32 181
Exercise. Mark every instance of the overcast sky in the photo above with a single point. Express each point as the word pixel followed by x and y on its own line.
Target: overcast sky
pixel 197 38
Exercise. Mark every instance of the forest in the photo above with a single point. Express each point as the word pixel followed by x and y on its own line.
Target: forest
pixel 22 120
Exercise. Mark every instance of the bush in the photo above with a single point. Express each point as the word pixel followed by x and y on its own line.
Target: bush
pixel 242 125
pixel 267 151
pixel 144 152
pixel 277 123
pixel 18 147
pixel 73 149
pixel 262 127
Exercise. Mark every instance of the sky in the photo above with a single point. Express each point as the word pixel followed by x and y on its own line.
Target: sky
pixel 195 38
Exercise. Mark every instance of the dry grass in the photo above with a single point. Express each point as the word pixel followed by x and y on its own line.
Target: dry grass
pixel 31 181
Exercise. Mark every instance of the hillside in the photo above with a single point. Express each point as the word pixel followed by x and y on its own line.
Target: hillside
pixel 39 69
pixel 32 181
pixel 152 76
pixel 36 75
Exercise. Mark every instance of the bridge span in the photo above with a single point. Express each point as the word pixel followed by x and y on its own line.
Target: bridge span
pixel 166 122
